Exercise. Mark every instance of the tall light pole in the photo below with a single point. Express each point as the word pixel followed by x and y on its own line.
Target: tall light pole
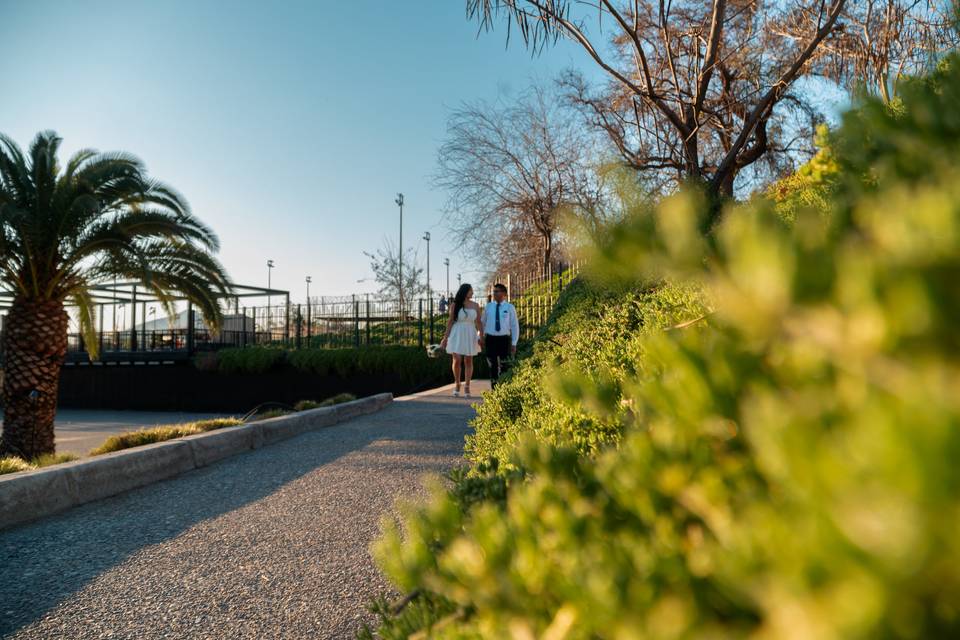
pixel 269 287
pixel 399 202
pixel 446 263
pixel 308 280
pixel 459 281
pixel 426 236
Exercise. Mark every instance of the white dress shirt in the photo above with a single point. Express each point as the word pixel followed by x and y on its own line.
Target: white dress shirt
pixel 509 324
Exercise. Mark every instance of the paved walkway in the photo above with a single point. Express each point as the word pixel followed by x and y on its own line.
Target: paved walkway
pixel 268 544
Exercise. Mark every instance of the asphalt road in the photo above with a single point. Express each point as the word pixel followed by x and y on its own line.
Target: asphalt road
pixel 80 430
pixel 268 544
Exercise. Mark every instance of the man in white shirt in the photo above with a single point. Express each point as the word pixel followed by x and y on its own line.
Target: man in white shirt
pixel 501 331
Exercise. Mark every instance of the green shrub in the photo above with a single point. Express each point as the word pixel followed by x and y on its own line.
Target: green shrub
pixel 810 187
pixel 593 335
pixel 207 361
pixel 159 434
pixel 410 363
pixel 340 398
pixel 250 360
pixel 305 405
pixel 786 461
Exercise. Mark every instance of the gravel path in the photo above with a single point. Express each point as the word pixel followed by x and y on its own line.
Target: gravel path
pixel 269 544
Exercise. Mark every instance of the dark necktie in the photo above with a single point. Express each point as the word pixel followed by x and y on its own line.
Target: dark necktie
pixel 496 325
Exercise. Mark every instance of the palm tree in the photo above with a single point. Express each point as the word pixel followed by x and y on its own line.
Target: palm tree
pixel 62 231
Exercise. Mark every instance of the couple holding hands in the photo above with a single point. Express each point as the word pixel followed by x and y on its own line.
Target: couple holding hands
pixel 495 329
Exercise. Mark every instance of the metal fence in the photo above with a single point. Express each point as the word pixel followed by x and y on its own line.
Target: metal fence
pixel 324 322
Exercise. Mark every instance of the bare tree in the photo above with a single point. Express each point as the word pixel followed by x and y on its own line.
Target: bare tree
pixel 698 82
pixel 385 264
pixel 883 41
pixel 509 171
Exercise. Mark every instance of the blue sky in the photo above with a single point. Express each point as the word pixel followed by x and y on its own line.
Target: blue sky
pixel 289 126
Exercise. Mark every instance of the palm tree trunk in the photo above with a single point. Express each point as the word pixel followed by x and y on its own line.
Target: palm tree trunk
pixel 34 345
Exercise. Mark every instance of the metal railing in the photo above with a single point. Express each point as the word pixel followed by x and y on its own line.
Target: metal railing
pixel 324 322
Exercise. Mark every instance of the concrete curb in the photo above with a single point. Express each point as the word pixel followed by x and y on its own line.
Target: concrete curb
pixel 29 495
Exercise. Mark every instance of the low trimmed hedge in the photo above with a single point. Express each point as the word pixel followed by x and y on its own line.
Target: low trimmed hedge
pixel 411 363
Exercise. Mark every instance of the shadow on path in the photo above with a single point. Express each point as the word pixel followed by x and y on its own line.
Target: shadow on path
pixel 43 563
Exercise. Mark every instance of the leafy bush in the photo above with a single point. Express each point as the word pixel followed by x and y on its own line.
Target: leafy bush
pixel 811 186
pixel 207 361
pixel 249 360
pixel 305 405
pixel 591 335
pixel 786 464
pixel 159 434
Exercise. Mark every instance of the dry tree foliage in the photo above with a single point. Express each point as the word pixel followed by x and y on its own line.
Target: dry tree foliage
pixel 705 91
pixel 510 169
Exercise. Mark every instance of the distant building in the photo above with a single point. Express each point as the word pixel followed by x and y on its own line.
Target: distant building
pixel 232 322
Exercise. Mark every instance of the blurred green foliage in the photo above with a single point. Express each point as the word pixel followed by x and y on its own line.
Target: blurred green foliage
pixel 767 449
pixel 811 186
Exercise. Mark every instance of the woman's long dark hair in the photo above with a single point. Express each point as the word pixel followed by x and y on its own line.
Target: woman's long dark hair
pixel 460 299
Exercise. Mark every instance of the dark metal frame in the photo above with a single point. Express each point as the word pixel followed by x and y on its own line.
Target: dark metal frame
pixel 133 293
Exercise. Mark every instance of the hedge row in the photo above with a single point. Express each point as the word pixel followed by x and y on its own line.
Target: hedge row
pixel 411 363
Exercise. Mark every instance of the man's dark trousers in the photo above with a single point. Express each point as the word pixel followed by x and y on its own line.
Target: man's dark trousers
pixel 497 348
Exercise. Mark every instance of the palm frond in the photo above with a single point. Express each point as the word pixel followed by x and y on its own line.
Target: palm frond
pixel 100 216
pixel 14 172
pixel 83 301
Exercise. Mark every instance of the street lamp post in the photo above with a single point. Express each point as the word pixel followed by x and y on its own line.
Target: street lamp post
pixel 308 280
pixel 269 287
pixel 426 236
pixel 459 281
pixel 446 263
pixel 399 202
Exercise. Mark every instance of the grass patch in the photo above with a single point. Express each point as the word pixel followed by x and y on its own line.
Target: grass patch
pixel 159 434
pixel 340 398
pixel 50 459
pixel 13 464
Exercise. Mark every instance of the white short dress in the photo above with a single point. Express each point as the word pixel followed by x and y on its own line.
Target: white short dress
pixel 463 336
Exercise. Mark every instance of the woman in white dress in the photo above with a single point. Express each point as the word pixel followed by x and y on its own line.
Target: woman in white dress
pixel 462 337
